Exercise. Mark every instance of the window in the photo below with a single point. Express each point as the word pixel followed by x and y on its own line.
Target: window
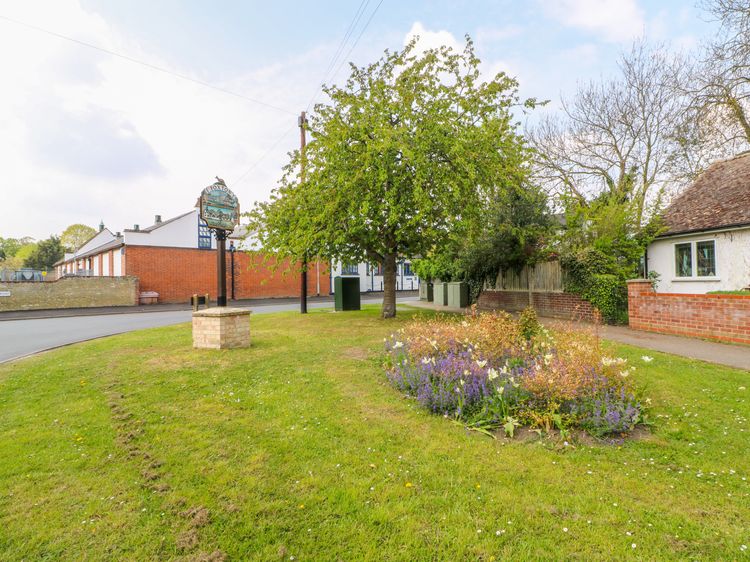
pixel 706 258
pixel 350 269
pixel 204 235
pixel 407 270
pixel 377 269
pixel 695 259
pixel 683 262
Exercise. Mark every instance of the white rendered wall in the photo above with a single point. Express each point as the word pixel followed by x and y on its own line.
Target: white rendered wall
pixel 732 263
pixel 117 262
pixel 101 238
pixel 181 233
pixel 370 282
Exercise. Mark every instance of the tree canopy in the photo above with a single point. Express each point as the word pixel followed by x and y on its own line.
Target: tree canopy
pixel 75 236
pixel 45 254
pixel 409 152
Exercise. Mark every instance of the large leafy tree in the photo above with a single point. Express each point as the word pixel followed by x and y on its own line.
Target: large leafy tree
pixel 75 236
pixel 409 152
pixel 45 254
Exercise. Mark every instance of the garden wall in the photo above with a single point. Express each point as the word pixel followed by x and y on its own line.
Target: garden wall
pixel 717 317
pixel 552 304
pixel 70 292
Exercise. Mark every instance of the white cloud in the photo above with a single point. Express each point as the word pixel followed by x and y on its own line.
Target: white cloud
pixel 611 20
pixel 431 39
pixel 88 136
pixel 497 34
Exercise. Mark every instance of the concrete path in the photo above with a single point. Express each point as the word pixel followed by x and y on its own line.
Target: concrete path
pixel 731 355
pixel 19 338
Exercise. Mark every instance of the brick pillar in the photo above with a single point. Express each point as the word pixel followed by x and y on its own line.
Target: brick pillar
pixel 637 289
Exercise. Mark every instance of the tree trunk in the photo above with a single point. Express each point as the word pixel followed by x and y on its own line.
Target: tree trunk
pixel 389 286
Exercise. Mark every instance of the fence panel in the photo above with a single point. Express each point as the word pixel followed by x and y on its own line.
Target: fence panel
pixel 546 276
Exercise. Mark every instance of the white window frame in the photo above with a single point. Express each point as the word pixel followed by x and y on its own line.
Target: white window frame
pixel 694 262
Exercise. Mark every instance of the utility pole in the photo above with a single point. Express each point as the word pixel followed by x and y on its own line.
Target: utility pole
pixel 302 123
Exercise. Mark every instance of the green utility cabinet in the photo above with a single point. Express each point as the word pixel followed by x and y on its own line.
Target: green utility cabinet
pixel 458 294
pixel 426 292
pixel 441 293
pixel 346 293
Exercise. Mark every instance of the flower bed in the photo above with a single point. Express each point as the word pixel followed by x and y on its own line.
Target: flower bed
pixel 492 371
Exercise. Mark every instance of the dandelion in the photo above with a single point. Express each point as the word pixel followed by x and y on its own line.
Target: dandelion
pixel 408 484
pixel 301 506
pixel 646 358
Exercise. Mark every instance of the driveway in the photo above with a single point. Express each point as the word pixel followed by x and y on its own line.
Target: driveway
pixel 19 338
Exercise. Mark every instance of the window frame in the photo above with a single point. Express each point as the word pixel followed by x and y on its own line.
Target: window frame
pixel 694 261
pixel 347 268
pixel 202 236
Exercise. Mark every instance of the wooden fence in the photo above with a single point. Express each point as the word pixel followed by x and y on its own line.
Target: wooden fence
pixel 545 277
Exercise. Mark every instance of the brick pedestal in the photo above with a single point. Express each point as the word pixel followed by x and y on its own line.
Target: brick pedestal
pixel 221 328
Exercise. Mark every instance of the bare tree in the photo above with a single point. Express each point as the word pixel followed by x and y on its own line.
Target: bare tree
pixel 720 83
pixel 617 138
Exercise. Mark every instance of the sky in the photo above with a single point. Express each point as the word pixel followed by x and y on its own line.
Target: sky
pixel 88 136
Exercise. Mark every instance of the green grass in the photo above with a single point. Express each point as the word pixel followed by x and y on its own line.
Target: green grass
pixel 298 447
pixel 738 292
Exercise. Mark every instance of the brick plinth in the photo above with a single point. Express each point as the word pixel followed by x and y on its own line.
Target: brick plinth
pixel 716 317
pixel 221 328
pixel 550 304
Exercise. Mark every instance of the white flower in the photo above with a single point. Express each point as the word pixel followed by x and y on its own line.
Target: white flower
pixel 624 373
pixel 466 374
pixel 426 361
pixel 565 529
pixel 492 374
pixel 633 545
pixel 741 388
pixel 481 364
pixel 462 382
pixel 501 389
pixel 397 345
pixel 465 324
pixel 647 359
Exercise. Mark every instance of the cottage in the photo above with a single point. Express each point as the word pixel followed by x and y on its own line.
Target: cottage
pixel 706 246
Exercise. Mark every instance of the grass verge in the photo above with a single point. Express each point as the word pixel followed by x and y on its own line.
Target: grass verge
pixel 139 447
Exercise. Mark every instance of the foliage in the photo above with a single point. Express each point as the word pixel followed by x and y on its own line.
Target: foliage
pixel 45 254
pixel 529 323
pixel 406 155
pixel 75 236
pixel 488 368
pixel 9 247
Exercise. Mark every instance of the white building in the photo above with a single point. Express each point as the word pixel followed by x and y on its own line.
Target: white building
pixel 371 276
pixel 707 243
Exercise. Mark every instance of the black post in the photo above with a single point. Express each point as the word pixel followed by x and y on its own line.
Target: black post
pixel 303 287
pixel 231 251
pixel 221 268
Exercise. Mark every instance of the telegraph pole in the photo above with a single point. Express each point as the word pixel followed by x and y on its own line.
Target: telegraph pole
pixel 302 122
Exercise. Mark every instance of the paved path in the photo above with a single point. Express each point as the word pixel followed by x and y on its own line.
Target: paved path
pixel 731 355
pixel 19 338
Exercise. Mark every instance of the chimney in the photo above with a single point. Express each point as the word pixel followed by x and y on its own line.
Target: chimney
pixel 136 227
pixel 118 234
pixel 101 226
pixel 157 219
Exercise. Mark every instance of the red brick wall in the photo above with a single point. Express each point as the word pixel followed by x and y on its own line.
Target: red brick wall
pixel 178 273
pixel 717 317
pixel 549 304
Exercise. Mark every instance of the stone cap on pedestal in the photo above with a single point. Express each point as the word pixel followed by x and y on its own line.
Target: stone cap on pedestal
pixel 219 311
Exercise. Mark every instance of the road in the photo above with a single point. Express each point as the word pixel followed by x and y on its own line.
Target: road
pixel 19 338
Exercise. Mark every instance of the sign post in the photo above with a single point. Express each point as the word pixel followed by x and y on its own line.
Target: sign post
pixel 220 209
pixel 220 327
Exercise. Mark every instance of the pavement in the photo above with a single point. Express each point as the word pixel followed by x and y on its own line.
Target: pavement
pixel 30 333
pixel 730 355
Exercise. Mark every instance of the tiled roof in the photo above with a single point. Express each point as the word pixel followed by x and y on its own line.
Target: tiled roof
pixel 719 198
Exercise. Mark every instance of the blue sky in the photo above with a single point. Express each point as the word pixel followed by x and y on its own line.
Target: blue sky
pixel 90 136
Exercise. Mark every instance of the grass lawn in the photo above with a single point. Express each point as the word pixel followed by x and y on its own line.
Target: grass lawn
pixel 137 447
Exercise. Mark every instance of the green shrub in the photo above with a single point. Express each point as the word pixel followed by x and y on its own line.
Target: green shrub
pixel 528 322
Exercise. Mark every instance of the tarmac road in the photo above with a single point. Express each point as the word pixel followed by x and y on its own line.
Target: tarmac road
pixel 22 337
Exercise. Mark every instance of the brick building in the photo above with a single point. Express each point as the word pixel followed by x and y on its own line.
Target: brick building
pixel 176 258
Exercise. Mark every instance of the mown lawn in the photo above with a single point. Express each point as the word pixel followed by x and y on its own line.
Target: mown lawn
pixel 137 447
